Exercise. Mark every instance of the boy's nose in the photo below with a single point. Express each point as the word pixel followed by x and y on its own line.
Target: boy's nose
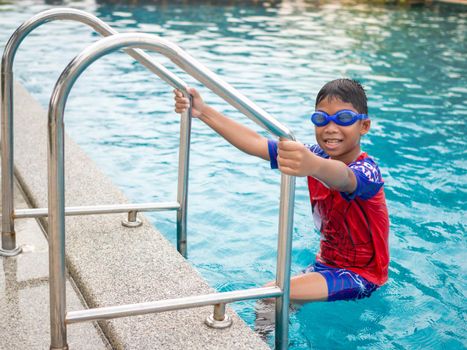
pixel 331 127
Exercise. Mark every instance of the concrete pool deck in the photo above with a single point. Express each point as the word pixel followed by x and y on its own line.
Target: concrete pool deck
pixel 110 264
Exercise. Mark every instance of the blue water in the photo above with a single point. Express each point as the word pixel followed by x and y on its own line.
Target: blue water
pixel 412 62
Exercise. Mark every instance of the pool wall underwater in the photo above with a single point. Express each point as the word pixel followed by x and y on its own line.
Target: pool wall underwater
pixel 114 265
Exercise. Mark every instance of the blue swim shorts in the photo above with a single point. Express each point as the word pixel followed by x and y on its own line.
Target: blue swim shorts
pixel 343 284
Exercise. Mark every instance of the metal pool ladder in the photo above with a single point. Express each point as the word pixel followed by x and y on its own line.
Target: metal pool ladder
pixel 9 213
pixel 59 318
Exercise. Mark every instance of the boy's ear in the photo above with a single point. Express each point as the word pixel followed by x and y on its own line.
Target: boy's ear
pixel 365 127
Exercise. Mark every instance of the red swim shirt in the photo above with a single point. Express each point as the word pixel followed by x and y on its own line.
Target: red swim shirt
pixel 354 227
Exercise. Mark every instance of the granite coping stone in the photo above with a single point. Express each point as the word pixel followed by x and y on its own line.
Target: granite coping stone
pixel 114 265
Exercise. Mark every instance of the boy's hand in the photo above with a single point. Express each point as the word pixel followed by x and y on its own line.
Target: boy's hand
pixel 294 158
pixel 182 103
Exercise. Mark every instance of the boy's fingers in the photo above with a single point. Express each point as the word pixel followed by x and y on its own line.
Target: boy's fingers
pixel 179 99
pixel 288 154
pixel 290 162
pixel 286 170
pixel 284 162
pixel 192 91
pixel 178 93
pixel 181 102
pixel 181 107
pixel 283 144
pixel 289 145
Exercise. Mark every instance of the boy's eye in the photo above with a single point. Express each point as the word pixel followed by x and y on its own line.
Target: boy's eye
pixel 345 117
pixel 319 118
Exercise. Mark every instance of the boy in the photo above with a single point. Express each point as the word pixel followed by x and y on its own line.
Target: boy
pixel 345 185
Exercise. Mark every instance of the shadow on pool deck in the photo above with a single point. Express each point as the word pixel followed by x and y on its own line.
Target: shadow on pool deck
pixel 110 264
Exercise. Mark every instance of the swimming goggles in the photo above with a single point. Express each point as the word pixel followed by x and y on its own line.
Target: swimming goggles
pixel 344 117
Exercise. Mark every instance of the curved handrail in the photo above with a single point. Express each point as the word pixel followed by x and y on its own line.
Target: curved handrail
pixel 56 185
pixel 8 246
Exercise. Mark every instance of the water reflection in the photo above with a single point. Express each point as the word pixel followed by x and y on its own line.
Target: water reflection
pixel 179 15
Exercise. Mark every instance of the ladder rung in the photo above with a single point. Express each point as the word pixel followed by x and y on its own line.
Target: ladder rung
pixel 105 313
pixel 98 209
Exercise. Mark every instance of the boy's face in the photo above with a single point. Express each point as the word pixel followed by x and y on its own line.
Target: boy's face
pixel 340 142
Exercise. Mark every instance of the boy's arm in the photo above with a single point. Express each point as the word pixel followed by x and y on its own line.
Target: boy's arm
pixel 297 160
pixel 235 133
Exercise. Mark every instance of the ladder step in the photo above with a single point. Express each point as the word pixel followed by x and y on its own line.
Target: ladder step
pixel 98 209
pixel 109 312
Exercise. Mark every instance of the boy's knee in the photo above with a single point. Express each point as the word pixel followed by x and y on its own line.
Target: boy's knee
pixel 269 300
pixel 270 284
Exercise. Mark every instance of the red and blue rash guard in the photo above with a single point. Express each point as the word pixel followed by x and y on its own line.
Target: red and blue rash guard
pixel 354 227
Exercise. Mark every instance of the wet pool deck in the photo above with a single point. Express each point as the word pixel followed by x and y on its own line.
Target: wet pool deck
pixel 109 264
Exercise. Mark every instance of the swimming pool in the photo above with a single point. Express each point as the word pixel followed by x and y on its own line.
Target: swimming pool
pixel 412 63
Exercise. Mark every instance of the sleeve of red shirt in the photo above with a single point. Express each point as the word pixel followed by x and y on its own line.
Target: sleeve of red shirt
pixel 369 180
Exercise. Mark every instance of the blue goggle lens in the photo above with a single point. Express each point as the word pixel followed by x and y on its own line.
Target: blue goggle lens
pixel 345 118
pixel 319 119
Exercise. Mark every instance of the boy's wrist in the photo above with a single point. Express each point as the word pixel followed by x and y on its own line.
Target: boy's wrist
pixel 205 111
pixel 313 164
pixel 309 168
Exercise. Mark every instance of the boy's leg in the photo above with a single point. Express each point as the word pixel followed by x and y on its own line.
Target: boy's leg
pixel 311 286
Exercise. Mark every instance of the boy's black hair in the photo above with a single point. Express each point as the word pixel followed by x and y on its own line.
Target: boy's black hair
pixel 346 90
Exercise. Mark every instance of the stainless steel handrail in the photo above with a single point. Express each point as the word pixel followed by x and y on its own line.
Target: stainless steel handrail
pixel 56 201
pixel 98 209
pixel 109 312
pixel 8 247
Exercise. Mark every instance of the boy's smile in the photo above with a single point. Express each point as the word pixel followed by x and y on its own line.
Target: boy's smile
pixel 340 142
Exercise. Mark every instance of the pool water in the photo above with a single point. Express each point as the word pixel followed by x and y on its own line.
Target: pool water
pixel 412 62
